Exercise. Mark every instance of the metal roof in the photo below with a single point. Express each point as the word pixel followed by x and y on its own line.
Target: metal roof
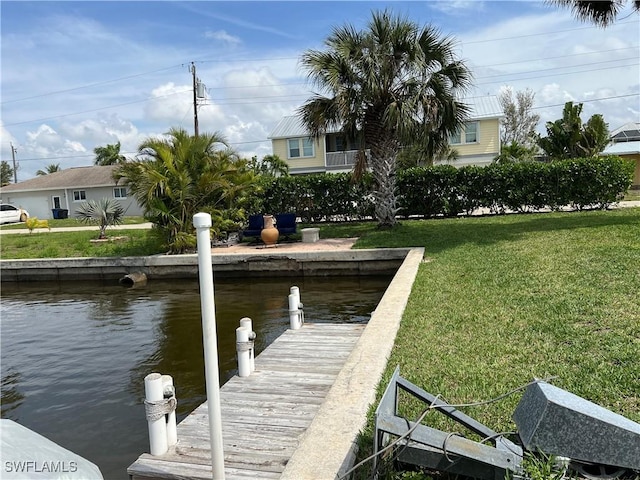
pixel 77 177
pixel 628 132
pixel 622 148
pixel 480 108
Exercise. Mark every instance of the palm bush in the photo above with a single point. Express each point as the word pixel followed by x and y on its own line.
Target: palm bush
pixel 179 175
pixel 105 212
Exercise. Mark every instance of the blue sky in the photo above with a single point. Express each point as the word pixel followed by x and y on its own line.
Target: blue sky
pixel 76 75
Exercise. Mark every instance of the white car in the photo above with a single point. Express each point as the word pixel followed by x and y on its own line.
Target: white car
pixel 12 214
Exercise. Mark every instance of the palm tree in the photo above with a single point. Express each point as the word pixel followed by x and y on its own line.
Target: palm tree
pixel 51 168
pixel 6 173
pixel 600 12
pixel 270 165
pixel 109 155
pixel 393 84
pixel 104 212
pixel 180 175
pixel 568 137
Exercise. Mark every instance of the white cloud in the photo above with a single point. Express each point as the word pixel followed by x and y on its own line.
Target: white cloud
pixel 170 103
pixel 223 36
pixel 455 7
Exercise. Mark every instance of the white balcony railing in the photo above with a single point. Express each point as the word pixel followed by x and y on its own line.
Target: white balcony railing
pixel 341 159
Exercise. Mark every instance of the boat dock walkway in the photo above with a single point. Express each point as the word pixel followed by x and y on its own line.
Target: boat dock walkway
pixel 264 415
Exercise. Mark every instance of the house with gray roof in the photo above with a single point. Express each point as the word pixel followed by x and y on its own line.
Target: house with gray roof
pixel 49 196
pixel 477 143
pixel 625 143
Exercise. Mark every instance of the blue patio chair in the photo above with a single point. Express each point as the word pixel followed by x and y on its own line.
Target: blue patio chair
pixel 256 224
pixel 286 224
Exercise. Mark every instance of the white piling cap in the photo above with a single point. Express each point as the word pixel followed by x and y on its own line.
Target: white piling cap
pixel 202 220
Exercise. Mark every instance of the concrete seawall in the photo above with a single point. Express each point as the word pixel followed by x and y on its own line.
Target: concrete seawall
pixel 259 263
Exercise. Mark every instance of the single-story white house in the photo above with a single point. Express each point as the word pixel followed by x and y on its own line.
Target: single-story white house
pixel 66 190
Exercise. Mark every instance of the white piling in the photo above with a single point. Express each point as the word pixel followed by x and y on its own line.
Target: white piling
pixel 248 324
pixel 242 350
pixel 172 426
pixel 154 392
pixel 202 223
pixel 296 315
pixel 295 291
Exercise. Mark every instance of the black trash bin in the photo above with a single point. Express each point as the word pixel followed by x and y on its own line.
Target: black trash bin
pixel 59 213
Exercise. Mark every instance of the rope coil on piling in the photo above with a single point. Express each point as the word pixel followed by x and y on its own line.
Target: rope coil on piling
pixel 244 346
pixel 156 409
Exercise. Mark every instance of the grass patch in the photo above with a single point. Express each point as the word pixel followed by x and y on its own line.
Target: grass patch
pixel 68 222
pixel 44 244
pixel 505 299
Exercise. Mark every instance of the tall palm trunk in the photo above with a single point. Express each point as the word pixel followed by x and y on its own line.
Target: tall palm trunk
pixel 383 163
pixel 384 150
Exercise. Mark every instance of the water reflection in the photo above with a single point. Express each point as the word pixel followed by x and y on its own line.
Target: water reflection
pixel 11 396
pixel 74 355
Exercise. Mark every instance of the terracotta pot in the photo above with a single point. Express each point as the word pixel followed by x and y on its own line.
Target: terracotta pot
pixel 269 233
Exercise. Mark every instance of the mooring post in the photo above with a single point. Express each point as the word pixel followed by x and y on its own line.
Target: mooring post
pixel 169 391
pixel 154 393
pixel 248 324
pixel 294 313
pixel 295 309
pixel 242 350
pixel 202 223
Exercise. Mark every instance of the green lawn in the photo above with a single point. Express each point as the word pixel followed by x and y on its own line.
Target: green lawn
pixel 503 300
pixel 44 244
pixel 68 222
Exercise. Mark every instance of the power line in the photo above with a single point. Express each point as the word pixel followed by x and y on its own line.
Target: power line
pixel 266 140
pixel 551 74
pixel 95 109
pixel 555 58
pixel 88 85
pixel 538 34
pixel 269 98
pixel 235 60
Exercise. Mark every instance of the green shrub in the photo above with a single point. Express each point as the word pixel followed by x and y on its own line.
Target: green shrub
pixel 444 190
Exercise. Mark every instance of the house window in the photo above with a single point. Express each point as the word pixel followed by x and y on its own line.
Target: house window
pixel 120 192
pixel 79 195
pixel 471 132
pixel 468 134
pixel 307 147
pixel 300 147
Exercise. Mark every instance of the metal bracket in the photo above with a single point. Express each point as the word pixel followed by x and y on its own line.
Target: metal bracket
pixel 438 450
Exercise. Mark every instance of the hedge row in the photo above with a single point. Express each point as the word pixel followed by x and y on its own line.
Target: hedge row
pixel 445 190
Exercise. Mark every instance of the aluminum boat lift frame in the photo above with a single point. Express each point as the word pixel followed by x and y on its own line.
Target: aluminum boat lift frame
pixel 438 450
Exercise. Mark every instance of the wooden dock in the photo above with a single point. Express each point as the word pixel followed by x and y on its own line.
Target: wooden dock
pixel 263 415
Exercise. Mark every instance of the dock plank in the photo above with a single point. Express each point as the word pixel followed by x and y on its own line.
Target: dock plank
pixel 263 415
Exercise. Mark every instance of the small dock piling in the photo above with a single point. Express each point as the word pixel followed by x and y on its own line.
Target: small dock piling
pixel 265 414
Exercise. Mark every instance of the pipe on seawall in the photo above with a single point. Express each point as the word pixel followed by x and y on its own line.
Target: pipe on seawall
pixel 134 278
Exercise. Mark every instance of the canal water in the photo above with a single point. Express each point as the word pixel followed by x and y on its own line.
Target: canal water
pixel 74 355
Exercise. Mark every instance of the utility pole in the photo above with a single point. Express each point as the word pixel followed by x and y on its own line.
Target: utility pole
pixel 195 100
pixel 15 168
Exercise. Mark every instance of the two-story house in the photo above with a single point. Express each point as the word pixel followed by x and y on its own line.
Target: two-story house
pixel 477 143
